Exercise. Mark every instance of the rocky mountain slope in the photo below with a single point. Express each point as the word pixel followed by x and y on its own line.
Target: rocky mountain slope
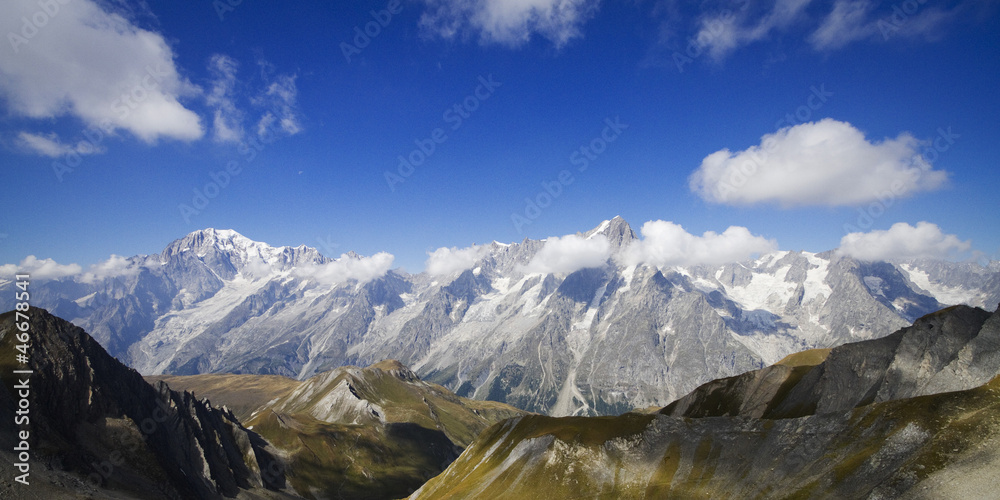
pixel 596 340
pixel 92 417
pixel 912 415
pixel 376 432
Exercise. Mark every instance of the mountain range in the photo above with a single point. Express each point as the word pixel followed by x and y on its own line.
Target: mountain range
pixel 594 340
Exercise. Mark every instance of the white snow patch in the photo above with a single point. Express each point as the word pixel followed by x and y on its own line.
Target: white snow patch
pixel 600 229
pixel 765 291
pixel 944 294
pixel 815 283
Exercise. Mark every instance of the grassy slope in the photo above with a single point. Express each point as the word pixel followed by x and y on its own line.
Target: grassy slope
pixel 886 447
pixel 240 393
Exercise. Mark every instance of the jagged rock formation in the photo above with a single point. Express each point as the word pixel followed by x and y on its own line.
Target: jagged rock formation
pixel 911 415
pixel 594 341
pixel 92 416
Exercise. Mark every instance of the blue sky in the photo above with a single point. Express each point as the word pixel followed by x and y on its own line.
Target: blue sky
pixel 880 119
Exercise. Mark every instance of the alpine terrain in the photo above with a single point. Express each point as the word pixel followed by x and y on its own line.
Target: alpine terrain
pixel 596 340
pixel 915 414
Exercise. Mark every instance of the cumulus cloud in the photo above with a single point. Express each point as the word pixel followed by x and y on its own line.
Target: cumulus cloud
pixel 569 254
pixel 39 269
pixel 114 267
pixel 826 163
pixel 901 242
pixel 93 64
pixel 506 22
pixel 446 260
pixel 50 145
pixel 226 123
pixel 348 267
pixel 664 243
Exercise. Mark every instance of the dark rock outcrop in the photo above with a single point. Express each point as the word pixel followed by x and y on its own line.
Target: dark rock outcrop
pixel 94 417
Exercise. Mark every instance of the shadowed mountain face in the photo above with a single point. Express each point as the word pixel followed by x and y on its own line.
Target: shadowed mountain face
pixel 593 341
pixel 915 414
pixel 92 417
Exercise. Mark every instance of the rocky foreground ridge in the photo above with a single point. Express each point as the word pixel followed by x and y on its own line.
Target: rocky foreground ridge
pixel 96 427
pixel 915 414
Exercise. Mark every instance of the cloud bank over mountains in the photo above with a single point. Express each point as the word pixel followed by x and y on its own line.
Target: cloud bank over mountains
pixel 902 242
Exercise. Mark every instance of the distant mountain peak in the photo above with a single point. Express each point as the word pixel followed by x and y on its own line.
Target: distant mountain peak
pixel 222 239
pixel 229 252
pixel 617 230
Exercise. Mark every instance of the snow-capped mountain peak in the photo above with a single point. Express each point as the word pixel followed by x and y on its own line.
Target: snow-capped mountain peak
pixel 230 253
pixel 616 229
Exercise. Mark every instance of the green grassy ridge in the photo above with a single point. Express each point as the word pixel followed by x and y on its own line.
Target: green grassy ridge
pixel 243 394
pixel 809 357
pixel 856 453
pixel 329 460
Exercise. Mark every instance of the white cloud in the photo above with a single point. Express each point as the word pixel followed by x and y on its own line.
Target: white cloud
pixel 667 244
pixel 280 98
pixel 114 267
pixel 570 253
pixel 227 118
pixel 50 145
pixel 348 267
pixel 95 65
pixel 847 22
pixel 901 242
pixel 854 20
pixel 509 22
pixel 258 268
pixel 446 260
pixel 723 33
pixel 818 163
pixel 39 269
